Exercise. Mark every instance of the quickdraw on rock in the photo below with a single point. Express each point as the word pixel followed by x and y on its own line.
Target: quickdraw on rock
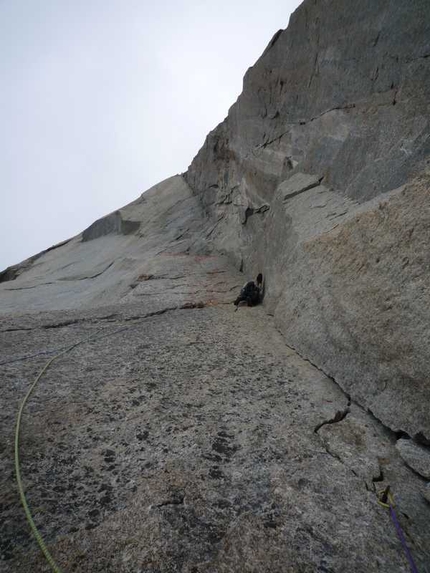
pixel 386 500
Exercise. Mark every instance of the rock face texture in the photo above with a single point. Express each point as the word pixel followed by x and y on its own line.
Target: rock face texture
pixel 415 456
pixel 124 257
pixel 319 178
pixel 193 440
pixel 182 436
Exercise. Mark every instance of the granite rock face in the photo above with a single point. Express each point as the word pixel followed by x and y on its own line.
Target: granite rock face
pixel 415 456
pixel 182 436
pixel 193 440
pixel 141 252
pixel 342 93
pixel 331 135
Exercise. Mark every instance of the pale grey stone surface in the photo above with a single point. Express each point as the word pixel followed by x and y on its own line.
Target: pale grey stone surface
pixel 193 440
pixel 340 98
pixel 121 258
pixel 343 92
pixel 415 456
pixel 296 184
pixel 188 437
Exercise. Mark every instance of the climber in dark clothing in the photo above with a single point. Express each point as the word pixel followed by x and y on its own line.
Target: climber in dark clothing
pixel 251 292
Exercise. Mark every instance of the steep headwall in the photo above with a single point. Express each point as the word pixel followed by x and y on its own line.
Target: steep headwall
pixel 319 178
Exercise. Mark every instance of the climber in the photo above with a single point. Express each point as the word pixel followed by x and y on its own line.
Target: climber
pixel 252 292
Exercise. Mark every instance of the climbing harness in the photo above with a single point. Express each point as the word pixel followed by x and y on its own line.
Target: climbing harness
pixel 386 500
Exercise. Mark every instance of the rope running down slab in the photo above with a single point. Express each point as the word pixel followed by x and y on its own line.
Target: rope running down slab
pixel 22 496
pixel 96 336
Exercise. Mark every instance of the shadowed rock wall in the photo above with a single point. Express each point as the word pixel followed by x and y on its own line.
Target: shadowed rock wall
pixel 318 178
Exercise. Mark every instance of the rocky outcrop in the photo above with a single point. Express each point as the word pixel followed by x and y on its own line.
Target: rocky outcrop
pixel 179 435
pixel 331 134
pixel 342 93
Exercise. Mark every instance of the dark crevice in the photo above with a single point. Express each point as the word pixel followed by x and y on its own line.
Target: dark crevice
pixel 337 108
pixel 250 211
pixel 340 460
pixel 167 278
pixel 273 41
pixel 376 40
pixel 176 499
pixel 61 279
pixel 61 324
pixel 348 396
pixel 379 477
pixel 29 287
pixel 423 57
pixel 186 306
pixel 415 472
pixel 311 119
pixel 181 235
pixel 91 276
pixel 214 227
pixel 314 70
pixel 277 138
pixel 303 189
pixel 392 433
pixel 333 455
pixel 421 439
pixel 338 417
pixel 342 415
pixel 400 434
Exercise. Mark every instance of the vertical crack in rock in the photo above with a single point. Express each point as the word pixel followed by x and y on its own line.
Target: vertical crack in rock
pixel 338 417
pixel 379 478
pixel 345 412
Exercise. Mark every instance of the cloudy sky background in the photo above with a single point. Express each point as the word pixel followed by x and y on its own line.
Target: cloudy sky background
pixel 101 99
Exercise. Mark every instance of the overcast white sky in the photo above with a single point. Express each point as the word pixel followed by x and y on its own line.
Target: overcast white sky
pixel 101 99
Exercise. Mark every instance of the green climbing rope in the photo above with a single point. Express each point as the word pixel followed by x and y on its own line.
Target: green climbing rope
pixel 22 496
